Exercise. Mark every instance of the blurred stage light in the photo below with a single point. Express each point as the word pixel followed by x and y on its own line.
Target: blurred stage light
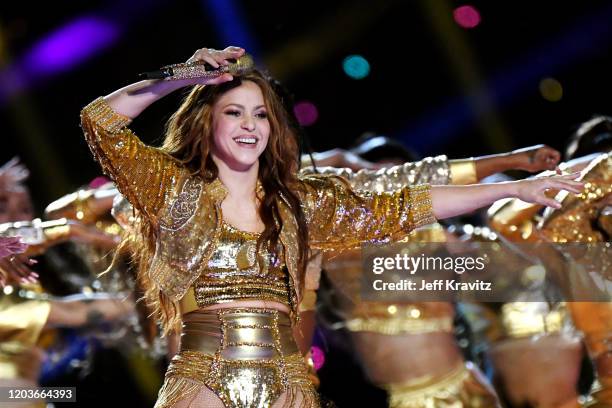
pixel 318 357
pixel 356 67
pixel 551 89
pixel 70 45
pixel 466 16
pixel 306 113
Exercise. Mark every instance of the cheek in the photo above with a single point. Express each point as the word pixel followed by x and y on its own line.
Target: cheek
pixel 221 135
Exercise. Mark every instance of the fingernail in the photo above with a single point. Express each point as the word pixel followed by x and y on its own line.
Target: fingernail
pixel 34 274
pixel 33 261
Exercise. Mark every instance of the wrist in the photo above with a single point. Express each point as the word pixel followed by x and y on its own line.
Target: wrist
pixel 513 188
pixel 520 161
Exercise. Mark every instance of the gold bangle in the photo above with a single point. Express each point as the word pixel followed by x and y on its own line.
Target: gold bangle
pixel 463 172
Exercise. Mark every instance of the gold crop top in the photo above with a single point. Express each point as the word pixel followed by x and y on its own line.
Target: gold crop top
pixel 236 271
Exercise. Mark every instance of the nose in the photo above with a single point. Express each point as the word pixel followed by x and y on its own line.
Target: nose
pixel 248 123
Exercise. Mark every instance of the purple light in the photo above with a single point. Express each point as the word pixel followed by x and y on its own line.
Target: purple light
pixel 70 45
pixel 306 113
pixel 467 16
pixel 318 357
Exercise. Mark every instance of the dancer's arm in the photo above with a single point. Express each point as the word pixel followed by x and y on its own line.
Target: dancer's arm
pixel 450 201
pixel 435 170
pixel 338 217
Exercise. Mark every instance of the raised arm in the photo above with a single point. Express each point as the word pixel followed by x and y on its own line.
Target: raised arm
pixel 143 174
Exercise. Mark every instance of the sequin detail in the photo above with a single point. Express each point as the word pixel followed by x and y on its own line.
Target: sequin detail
pixel 431 170
pixel 237 271
pixel 337 217
pixel 239 380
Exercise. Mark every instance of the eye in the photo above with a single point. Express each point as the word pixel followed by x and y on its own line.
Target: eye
pixel 232 113
pixel 261 115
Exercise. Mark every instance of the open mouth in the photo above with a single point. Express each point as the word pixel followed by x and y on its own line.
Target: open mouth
pixel 246 140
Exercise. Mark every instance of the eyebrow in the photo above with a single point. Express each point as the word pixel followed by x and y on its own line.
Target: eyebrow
pixel 241 106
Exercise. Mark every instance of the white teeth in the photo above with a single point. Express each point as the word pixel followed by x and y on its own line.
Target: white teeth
pixel 247 140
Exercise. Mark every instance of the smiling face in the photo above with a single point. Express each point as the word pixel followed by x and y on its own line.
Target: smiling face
pixel 240 127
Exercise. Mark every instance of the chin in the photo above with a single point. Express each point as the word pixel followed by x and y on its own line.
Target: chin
pixel 244 165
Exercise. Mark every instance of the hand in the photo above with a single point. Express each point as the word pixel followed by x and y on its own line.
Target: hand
pixel 534 190
pixel 11 246
pixel 537 158
pixel 12 173
pixel 215 58
pixel 15 269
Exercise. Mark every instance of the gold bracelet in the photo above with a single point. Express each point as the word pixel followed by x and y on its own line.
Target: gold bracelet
pixel 463 172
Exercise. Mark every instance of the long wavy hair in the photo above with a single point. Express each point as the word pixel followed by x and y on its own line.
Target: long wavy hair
pixel 189 139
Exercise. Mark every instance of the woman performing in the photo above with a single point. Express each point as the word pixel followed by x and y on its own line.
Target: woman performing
pixel 226 225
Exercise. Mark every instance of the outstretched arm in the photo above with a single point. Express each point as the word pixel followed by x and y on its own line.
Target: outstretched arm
pixel 431 170
pixel 532 159
pixel 450 201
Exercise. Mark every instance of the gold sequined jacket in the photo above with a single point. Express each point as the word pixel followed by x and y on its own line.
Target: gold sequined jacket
pixel 186 210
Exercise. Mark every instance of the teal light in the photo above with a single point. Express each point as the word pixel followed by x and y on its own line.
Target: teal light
pixel 356 66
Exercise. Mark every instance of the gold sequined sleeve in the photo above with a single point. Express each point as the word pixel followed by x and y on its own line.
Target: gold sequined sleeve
pixel 574 222
pixel 340 218
pixel 431 170
pixel 144 175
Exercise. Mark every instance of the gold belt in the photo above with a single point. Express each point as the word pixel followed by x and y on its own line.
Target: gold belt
pixel 246 356
pixel 239 333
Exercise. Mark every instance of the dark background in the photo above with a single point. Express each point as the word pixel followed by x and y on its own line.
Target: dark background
pixel 434 85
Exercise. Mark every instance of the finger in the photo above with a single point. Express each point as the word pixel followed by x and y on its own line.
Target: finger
pixel 218 80
pixel 571 176
pixel 22 270
pixel 234 51
pixel 233 48
pixel 569 180
pixel 549 202
pixel 574 188
pixel 210 60
pixel 221 57
pixel 20 263
pixel 204 55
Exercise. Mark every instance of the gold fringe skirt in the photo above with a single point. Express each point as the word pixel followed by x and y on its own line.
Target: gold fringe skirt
pixel 246 356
